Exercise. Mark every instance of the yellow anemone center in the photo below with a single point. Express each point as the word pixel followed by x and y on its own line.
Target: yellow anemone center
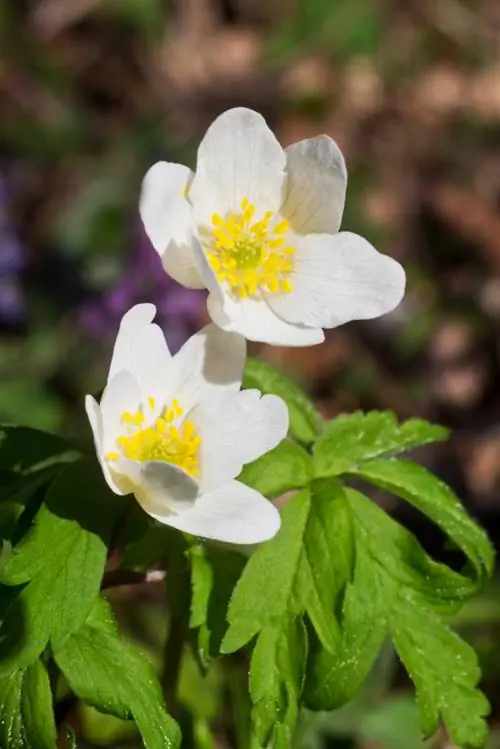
pixel 248 255
pixel 165 439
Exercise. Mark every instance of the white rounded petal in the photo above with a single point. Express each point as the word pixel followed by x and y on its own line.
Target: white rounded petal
pixel 235 430
pixel 315 186
pixel 238 158
pixel 95 419
pixel 338 278
pixel 233 513
pixel 256 321
pixel 209 364
pixel 160 488
pixel 121 394
pixel 168 221
pixel 141 349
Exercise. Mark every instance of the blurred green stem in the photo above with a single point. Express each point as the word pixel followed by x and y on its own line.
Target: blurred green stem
pixel 178 602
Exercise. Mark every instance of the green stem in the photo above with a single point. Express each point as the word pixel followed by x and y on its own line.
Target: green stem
pixel 178 601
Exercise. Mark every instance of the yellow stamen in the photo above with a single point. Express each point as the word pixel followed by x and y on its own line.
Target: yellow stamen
pixel 164 440
pixel 250 257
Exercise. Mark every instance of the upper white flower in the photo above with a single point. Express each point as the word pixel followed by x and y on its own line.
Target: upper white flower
pixel 176 430
pixel 258 226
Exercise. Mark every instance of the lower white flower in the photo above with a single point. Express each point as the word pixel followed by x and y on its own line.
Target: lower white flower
pixel 176 430
pixel 259 227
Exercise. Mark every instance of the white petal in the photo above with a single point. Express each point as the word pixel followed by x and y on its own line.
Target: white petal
pixel 238 158
pixel 211 362
pixel 95 419
pixel 234 430
pixel 160 488
pixel 234 513
pixel 255 320
pixel 168 221
pixel 141 349
pixel 315 186
pixel 121 394
pixel 338 278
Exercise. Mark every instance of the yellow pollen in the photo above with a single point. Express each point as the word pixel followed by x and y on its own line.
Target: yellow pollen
pixel 164 440
pixel 250 256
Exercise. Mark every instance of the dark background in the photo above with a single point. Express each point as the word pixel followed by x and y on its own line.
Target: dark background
pixel 92 92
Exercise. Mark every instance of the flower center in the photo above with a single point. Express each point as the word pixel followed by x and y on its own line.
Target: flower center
pixel 166 439
pixel 250 255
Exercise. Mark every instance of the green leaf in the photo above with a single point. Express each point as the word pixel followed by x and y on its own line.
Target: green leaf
pixel 26 712
pixel 334 679
pixel 445 671
pixel 298 567
pixel 296 573
pixel 214 574
pixel 436 500
pixel 276 679
pixel 112 676
pixel 23 449
pixel 349 441
pixel 397 589
pixel 58 565
pixel 286 467
pixel 305 421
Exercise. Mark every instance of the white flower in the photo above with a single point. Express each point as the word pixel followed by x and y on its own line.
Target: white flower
pixel 176 430
pixel 258 226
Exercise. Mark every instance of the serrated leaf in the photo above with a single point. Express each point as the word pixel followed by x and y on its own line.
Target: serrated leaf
pixel 286 467
pixel 435 499
pixel 214 574
pixel 276 678
pixel 436 658
pixel 26 712
pixel 350 441
pixel 305 421
pixel 444 670
pixel 398 589
pixel 298 568
pixel 58 565
pixel 112 676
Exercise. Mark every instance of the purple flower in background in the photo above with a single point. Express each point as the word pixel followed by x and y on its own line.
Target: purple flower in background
pixel 12 302
pixel 179 310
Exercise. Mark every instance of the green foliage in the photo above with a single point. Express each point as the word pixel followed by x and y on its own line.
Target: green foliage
pixel 57 567
pixel 214 574
pixel 354 439
pixel 399 590
pixel 314 605
pixel 340 563
pixel 109 674
pixel 26 717
pixel 305 421
pixel 423 490
pixel 286 467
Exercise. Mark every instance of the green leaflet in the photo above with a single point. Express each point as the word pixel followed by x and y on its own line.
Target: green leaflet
pixel 276 678
pixel 399 589
pixel 334 679
pixel 26 713
pixel 426 492
pixel 305 421
pixel 23 449
pixel 351 440
pixel 29 459
pixel 112 676
pixel 214 574
pixel 59 564
pixel 286 467
pixel 293 574
pixel 298 567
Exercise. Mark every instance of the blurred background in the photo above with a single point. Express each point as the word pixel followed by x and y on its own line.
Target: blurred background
pixel 92 92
